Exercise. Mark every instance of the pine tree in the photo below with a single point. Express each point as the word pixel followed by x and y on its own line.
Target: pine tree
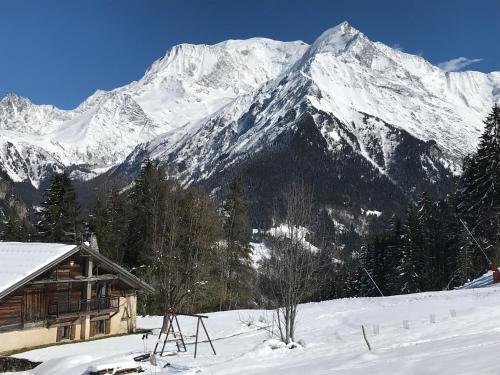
pixel 368 267
pixel 430 242
pixel 146 197
pixel 447 241
pixel 110 222
pixel 237 273
pixel 465 259
pixel 13 230
pixel 59 216
pixel 478 196
pixel 410 269
pixel 395 253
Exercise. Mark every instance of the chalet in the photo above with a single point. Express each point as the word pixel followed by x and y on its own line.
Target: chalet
pixel 52 292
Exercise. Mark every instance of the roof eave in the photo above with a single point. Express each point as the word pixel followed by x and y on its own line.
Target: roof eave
pixel 127 276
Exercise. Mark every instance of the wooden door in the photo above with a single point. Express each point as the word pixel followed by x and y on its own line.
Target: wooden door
pixel 34 305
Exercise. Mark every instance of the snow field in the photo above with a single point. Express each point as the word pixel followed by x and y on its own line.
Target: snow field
pixel 453 332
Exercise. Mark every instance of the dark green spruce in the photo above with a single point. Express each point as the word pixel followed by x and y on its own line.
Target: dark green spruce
pixel 59 218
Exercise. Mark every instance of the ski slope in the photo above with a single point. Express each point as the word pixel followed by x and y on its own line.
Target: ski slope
pixel 454 332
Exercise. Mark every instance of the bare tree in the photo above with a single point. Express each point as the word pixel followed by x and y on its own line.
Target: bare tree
pixel 292 261
pixel 185 233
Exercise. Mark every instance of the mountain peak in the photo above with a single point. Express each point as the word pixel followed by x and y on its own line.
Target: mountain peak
pixel 345 27
pixel 337 39
pixel 15 101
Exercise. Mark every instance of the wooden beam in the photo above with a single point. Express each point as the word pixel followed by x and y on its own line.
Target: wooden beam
pixel 76 280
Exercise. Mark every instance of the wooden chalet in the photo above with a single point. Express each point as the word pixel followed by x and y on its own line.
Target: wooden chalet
pixel 51 292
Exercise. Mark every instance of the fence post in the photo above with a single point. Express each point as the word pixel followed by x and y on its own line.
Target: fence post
pixel 366 340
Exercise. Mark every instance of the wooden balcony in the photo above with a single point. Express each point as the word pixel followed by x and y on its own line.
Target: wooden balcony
pixel 84 307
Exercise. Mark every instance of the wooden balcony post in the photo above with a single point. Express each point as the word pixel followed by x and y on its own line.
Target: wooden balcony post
pixel 85 333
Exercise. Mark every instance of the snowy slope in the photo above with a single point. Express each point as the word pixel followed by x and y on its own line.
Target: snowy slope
pixel 447 333
pixel 204 107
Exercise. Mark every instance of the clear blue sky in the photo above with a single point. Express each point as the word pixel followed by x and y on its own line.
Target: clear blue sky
pixel 60 51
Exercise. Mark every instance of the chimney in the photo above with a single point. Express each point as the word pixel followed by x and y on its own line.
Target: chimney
pixel 93 242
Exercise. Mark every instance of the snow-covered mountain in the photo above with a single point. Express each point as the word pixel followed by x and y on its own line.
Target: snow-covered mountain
pixel 208 109
pixel 190 83
pixel 368 87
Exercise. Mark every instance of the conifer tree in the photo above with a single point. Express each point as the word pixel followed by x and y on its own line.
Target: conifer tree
pixel 465 259
pixel 429 239
pixel 14 230
pixel 110 222
pixel 238 278
pixel 367 258
pixel 395 250
pixel 410 269
pixel 444 244
pixel 478 196
pixel 59 216
pixel 145 198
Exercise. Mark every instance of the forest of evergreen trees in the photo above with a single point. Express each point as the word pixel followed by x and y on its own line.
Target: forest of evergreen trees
pixel 196 251
pixel 434 246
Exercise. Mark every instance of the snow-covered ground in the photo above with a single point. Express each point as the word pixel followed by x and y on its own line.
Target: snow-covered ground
pixel 455 332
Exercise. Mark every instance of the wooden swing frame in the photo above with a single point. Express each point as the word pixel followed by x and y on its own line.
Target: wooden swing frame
pixel 169 319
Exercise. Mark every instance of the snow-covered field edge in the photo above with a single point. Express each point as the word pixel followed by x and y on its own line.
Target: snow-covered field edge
pixel 453 332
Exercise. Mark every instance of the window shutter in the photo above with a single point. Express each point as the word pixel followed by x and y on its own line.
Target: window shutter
pixel 107 326
pixel 73 329
pixel 92 329
pixel 59 334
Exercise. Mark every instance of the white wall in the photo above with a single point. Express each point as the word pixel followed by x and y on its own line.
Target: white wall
pixel 123 322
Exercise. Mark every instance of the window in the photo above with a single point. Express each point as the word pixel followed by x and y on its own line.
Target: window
pixel 100 327
pixel 66 332
pixel 101 290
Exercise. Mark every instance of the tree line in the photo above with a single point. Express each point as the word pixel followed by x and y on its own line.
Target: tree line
pixel 439 243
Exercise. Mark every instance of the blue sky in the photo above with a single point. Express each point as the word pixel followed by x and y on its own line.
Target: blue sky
pixel 60 52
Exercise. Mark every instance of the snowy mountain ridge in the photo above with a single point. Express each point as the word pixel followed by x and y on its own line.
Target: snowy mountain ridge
pixel 205 107
pixel 369 90
pixel 189 83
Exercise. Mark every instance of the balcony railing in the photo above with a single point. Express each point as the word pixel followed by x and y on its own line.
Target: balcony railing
pixel 84 306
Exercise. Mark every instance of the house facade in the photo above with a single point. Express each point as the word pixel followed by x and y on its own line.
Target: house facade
pixel 52 292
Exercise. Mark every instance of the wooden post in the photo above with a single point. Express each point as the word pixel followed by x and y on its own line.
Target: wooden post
pixel 196 342
pixel 208 337
pixel 181 336
pixel 366 340
pixel 167 333
pixel 87 294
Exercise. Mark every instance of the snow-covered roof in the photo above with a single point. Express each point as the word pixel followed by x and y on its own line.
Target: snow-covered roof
pixel 20 260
